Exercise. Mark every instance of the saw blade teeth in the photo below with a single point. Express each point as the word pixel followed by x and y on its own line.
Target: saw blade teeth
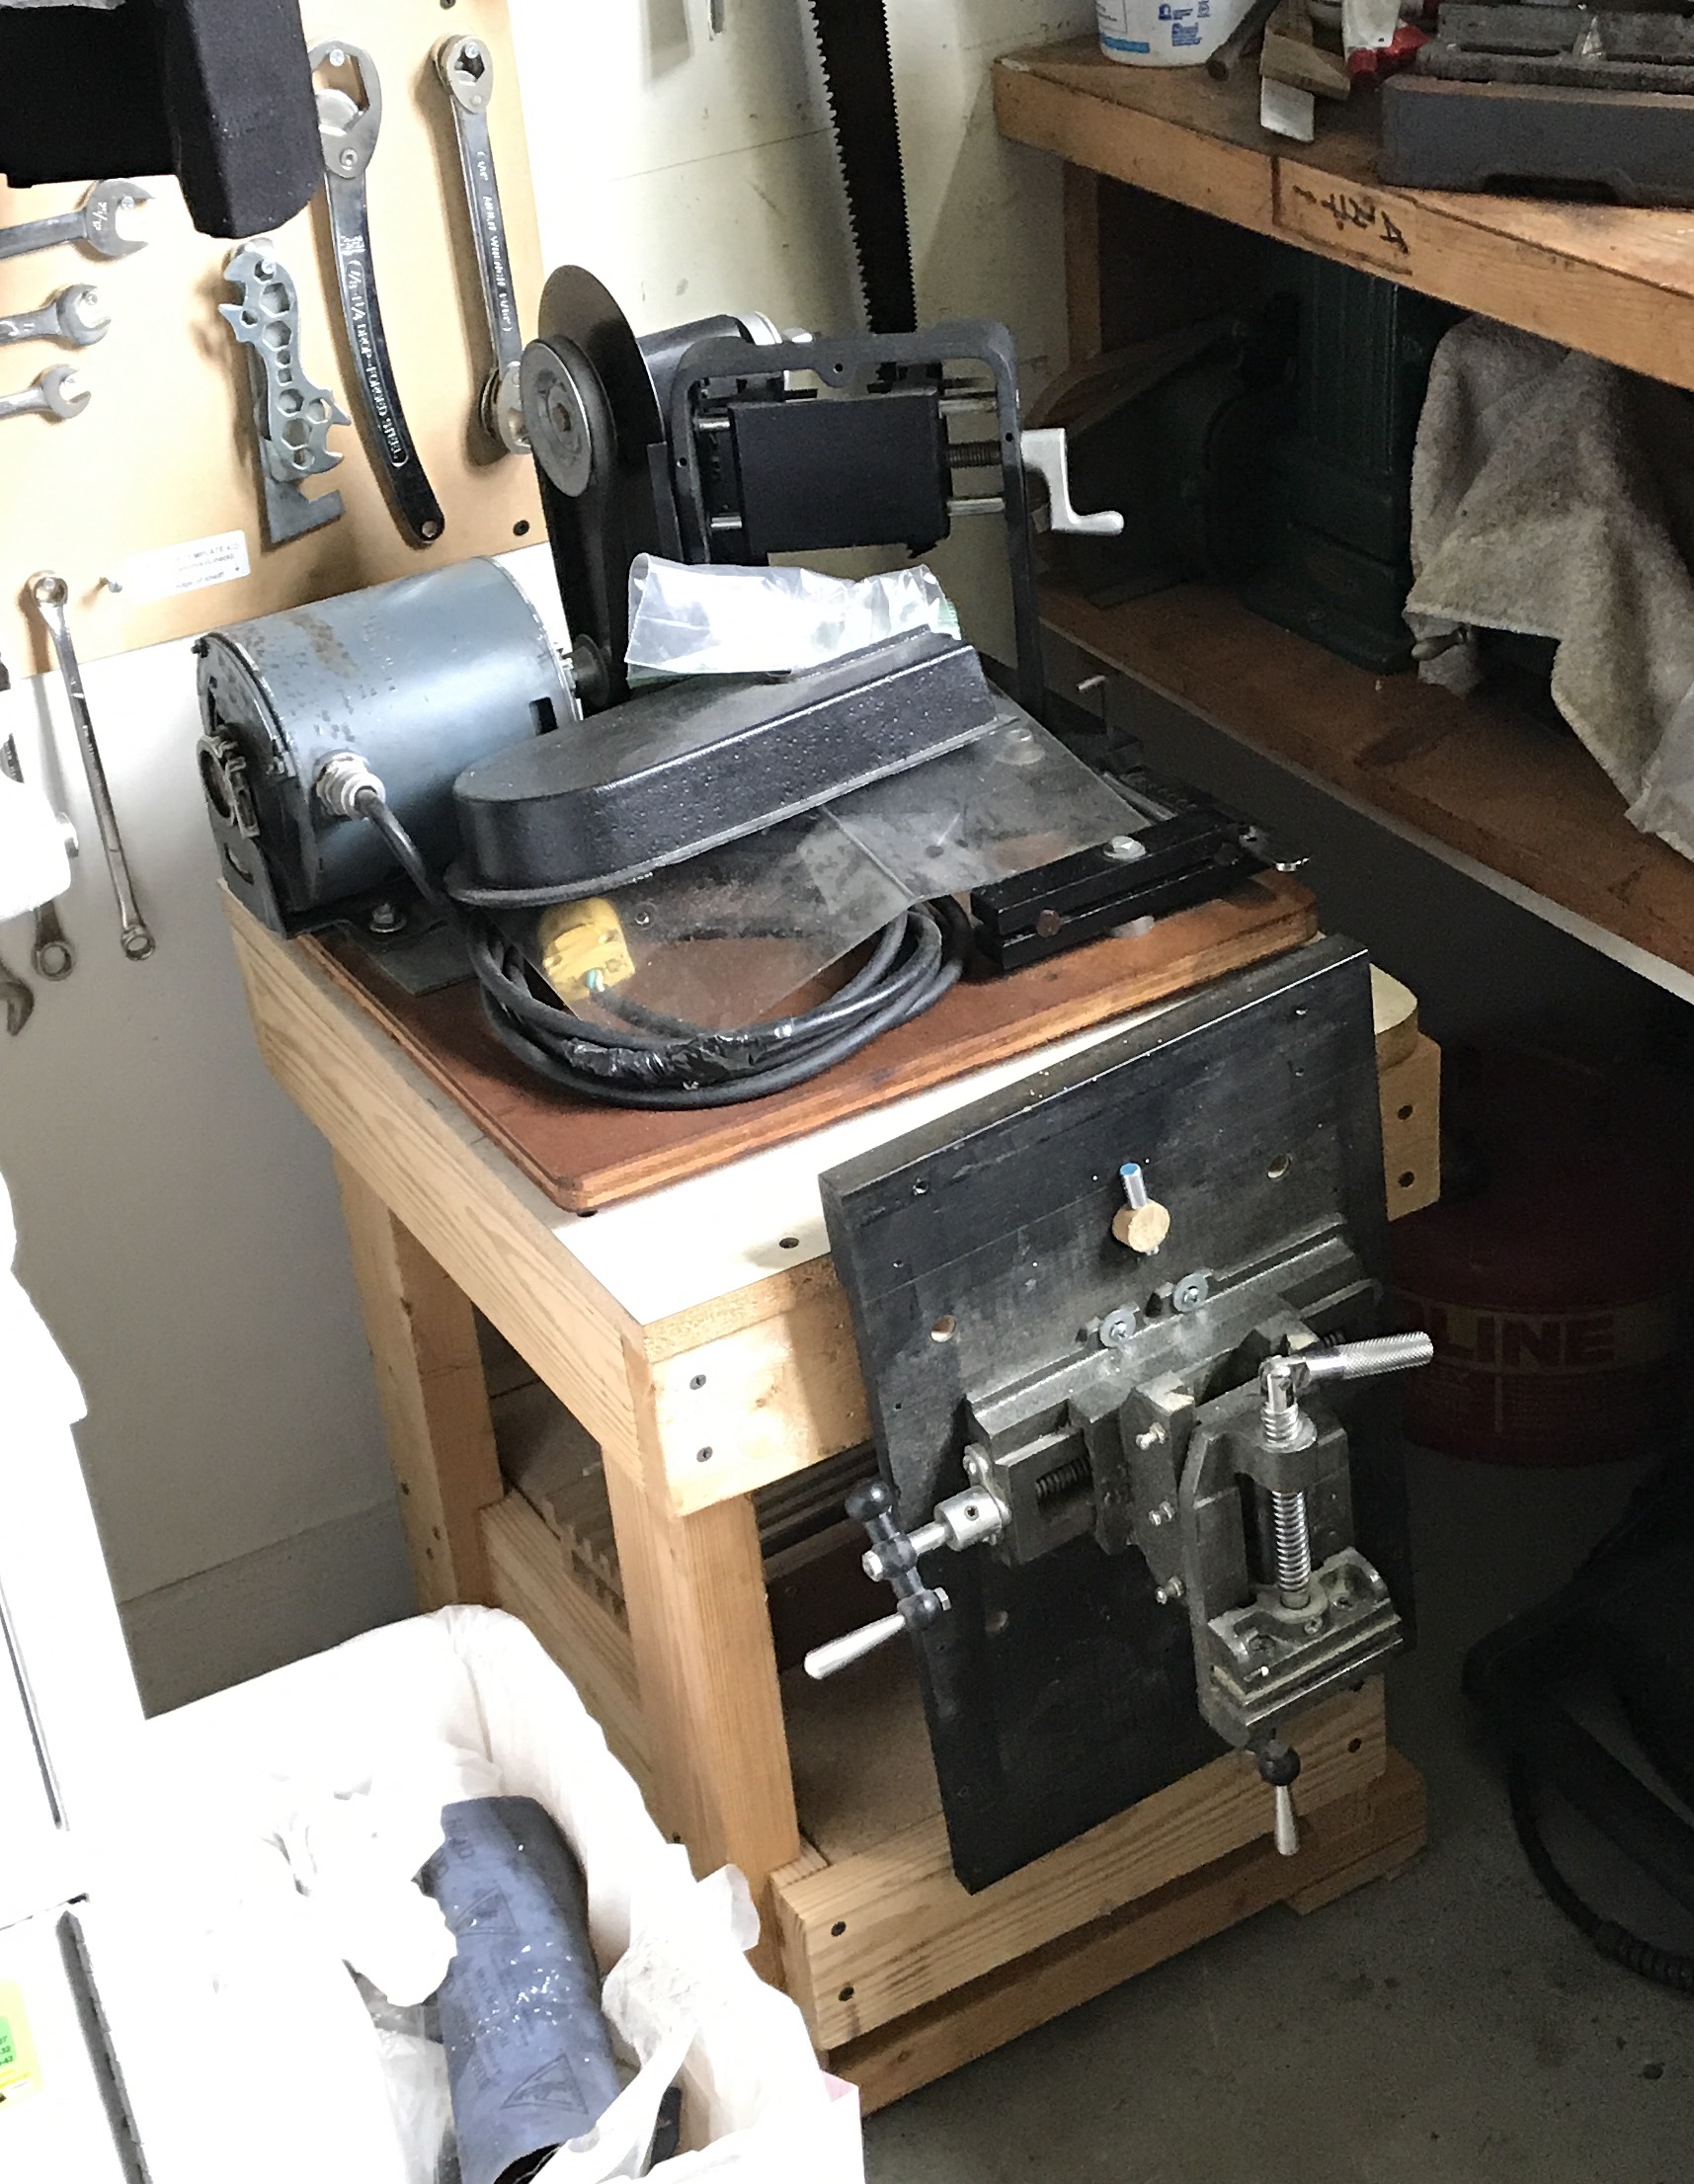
pixel 858 82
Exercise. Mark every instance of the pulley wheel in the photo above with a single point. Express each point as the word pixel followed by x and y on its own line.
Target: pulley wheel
pixel 567 417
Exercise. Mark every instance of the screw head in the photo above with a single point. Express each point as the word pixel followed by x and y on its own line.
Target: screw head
pixel 1170 1593
pixel 1151 1437
pixel 1118 1329
pixel 1125 848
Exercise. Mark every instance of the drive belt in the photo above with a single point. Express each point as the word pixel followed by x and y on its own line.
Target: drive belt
pixel 858 73
pixel 348 132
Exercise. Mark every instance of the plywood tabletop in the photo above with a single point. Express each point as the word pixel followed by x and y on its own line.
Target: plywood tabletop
pixel 1611 279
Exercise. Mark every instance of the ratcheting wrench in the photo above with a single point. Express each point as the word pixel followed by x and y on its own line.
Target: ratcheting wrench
pixel 73 316
pixel 51 594
pixel 347 130
pixel 466 70
pixel 58 392
pixel 52 955
pixel 94 223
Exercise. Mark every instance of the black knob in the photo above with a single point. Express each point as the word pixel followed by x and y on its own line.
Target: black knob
pixel 1277 1764
pixel 873 1499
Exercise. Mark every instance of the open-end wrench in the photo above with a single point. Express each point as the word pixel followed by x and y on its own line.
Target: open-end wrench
pixel 94 223
pixel 58 392
pixel 466 70
pixel 347 132
pixel 51 594
pixel 51 955
pixel 73 316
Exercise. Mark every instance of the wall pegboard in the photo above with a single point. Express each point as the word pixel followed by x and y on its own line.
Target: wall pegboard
pixel 163 455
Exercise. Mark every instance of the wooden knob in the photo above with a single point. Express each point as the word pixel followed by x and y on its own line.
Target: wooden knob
pixel 1142 1227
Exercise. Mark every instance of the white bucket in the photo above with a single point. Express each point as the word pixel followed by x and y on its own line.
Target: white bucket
pixel 1165 34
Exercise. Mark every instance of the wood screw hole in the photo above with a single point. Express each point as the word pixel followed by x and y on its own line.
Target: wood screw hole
pixel 521 529
pixel 839 1928
pixel 788 1243
pixel 698 1382
pixel 1404 1113
pixel 1408 1179
pixel 845 1994
pixel 1356 1743
pixel 703 1456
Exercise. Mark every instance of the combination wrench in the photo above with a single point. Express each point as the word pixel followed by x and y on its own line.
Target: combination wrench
pixel 347 132
pixel 51 955
pixel 466 70
pixel 51 594
pixel 58 392
pixel 94 223
pixel 73 316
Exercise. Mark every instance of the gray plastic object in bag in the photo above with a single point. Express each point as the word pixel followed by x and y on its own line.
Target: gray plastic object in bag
pixel 529 2062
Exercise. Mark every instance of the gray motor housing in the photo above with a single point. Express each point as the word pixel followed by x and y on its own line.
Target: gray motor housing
pixel 422 677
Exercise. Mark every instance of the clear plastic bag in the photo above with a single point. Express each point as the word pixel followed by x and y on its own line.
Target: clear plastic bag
pixel 719 619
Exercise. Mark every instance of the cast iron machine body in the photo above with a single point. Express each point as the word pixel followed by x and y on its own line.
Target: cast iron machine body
pixel 1142 1494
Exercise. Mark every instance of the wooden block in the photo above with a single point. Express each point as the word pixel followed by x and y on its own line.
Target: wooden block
pixel 165 452
pixel 884 1932
pixel 1412 1129
pixel 1335 1855
pixel 531 1577
pixel 432 1398
pixel 1393 1013
pixel 1290 55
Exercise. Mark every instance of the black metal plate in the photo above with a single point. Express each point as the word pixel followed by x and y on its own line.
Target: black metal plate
pixel 1059 1693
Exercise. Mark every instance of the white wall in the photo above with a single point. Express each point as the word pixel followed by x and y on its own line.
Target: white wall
pixel 178 1221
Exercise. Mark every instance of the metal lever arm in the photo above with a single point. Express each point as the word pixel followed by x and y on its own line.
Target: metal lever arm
pixel 892 1559
pixel 466 70
pixel 1048 452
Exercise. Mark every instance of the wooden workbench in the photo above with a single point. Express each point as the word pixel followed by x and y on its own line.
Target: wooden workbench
pixel 699 1337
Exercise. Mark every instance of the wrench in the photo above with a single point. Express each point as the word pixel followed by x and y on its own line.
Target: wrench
pixel 466 70
pixel 58 392
pixel 94 223
pixel 51 594
pixel 74 316
pixel 51 955
pixel 347 132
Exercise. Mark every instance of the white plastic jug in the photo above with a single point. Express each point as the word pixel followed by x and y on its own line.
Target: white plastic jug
pixel 1165 34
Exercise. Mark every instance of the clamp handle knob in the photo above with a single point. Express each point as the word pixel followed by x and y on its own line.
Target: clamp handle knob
pixel 1279 1767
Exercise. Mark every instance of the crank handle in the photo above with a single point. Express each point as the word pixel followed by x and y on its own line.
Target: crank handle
pixel 1382 1353
pixel 841 1653
pixel 1048 452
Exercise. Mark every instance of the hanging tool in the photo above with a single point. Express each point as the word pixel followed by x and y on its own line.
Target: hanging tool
pixel 466 70
pixel 58 392
pixel 51 594
pixel 290 413
pixel 348 132
pixel 859 74
pixel 94 223
pixel 18 1000
pixel 72 316
pixel 52 955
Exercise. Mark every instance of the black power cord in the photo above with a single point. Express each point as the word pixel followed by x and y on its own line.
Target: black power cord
pixel 657 1061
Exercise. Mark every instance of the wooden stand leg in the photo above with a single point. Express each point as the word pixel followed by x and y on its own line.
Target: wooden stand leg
pixel 693 1587
pixel 429 1385
pixel 1081 212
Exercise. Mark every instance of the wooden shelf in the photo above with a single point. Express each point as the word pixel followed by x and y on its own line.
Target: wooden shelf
pixel 1471 775
pixel 1613 281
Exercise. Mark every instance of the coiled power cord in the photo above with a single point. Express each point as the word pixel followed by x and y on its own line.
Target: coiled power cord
pixel 650 1060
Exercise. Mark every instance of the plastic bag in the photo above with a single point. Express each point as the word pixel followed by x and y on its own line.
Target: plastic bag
pixel 723 619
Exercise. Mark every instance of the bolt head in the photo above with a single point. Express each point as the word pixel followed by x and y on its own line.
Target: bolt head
pixel 1151 1437
pixel 1125 848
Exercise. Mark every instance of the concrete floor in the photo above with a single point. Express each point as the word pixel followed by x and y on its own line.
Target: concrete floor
pixel 1445 2027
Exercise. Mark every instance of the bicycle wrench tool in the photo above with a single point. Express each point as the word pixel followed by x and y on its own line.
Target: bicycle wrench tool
pixel 51 955
pixel 51 594
pixel 347 132
pixel 466 70
pixel 58 392
pixel 290 413
pixel 94 223
pixel 73 316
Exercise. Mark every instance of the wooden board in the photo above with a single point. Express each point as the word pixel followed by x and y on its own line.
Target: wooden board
pixel 879 1934
pixel 164 453
pixel 1470 772
pixel 584 1156
pixel 1361 1837
pixel 1614 281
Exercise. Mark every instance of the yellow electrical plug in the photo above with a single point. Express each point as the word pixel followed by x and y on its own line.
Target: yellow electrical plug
pixel 583 949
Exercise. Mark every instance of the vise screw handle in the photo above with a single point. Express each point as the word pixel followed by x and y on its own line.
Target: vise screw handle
pixel 895 1555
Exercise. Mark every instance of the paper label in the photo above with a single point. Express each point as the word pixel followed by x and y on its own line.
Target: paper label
pixel 20 2073
pixel 167 571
